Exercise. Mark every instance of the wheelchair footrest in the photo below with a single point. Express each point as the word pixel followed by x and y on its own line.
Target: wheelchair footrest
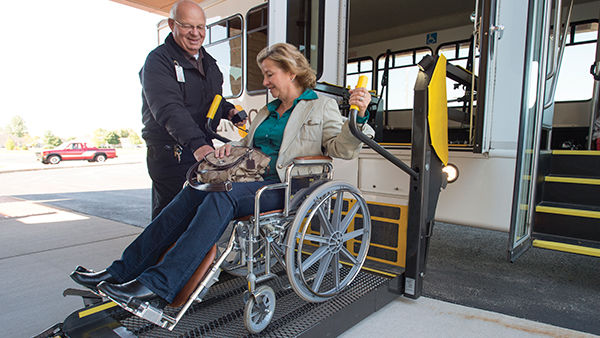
pixel 88 296
pixel 150 313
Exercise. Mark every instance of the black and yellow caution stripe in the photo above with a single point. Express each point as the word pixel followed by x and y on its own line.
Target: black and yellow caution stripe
pixel 568 211
pixel 574 180
pixel 578 249
pixel 96 309
pixel 576 152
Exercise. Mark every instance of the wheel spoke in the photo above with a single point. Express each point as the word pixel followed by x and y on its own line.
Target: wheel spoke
pixel 323 266
pixel 353 234
pixel 349 217
pixel 315 257
pixel 337 211
pixel 349 255
pixel 336 269
pixel 315 238
pixel 325 224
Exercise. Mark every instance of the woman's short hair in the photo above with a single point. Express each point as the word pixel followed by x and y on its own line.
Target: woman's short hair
pixel 289 58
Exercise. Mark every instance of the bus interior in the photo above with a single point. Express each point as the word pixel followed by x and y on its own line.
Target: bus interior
pixel 392 37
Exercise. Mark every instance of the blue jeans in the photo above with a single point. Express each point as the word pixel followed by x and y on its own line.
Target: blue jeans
pixel 194 221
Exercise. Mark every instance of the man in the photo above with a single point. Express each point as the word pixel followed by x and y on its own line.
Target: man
pixel 179 82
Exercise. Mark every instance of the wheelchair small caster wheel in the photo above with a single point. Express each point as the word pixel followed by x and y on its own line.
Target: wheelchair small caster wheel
pixel 259 309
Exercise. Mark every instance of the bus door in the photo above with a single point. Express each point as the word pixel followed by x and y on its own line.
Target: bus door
pixel 311 25
pixel 542 64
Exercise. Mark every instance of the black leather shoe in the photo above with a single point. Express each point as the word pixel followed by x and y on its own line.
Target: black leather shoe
pixel 132 294
pixel 90 279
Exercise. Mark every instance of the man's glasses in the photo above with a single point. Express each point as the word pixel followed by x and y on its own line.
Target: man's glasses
pixel 188 27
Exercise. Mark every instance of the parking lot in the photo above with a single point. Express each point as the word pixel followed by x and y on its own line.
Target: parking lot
pixel 16 160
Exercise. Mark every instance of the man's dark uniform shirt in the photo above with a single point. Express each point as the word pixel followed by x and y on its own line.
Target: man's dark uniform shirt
pixel 174 114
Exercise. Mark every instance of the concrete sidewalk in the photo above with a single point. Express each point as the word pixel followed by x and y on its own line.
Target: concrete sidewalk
pixel 41 245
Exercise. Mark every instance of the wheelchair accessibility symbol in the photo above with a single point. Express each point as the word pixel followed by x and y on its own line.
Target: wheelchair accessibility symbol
pixel 431 38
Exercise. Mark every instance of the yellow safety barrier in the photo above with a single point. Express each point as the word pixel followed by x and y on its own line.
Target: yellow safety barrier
pixel 438 110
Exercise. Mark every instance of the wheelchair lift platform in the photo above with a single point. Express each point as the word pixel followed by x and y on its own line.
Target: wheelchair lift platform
pixel 221 313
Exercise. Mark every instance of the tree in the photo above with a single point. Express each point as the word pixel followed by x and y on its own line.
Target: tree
pixel 124 133
pixel 134 138
pixel 99 137
pixel 10 144
pixel 112 138
pixel 17 127
pixel 51 140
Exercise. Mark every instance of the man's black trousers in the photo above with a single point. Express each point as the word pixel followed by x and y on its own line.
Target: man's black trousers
pixel 167 173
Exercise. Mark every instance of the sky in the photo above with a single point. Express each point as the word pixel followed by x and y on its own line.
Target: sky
pixel 71 66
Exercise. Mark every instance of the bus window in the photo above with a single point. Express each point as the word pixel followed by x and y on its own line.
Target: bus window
pixel 224 42
pixel 403 72
pixel 257 22
pixel 358 67
pixel 457 53
pixel 574 80
pixel 304 19
pixel 163 30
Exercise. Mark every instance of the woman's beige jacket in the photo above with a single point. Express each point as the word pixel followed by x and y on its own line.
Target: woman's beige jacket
pixel 314 128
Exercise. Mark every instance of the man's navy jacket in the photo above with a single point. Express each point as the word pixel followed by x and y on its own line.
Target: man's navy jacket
pixel 173 111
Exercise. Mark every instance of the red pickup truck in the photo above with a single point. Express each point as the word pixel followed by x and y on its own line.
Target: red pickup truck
pixel 75 151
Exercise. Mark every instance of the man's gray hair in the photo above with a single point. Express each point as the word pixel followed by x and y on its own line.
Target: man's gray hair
pixel 173 11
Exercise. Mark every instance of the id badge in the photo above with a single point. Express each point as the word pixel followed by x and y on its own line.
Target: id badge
pixel 179 73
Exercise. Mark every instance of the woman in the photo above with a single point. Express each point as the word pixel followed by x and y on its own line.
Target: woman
pixel 297 123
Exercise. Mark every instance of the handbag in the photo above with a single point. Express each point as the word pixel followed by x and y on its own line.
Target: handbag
pixel 216 174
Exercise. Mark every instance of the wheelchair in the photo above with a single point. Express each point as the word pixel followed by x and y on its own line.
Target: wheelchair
pixel 320 238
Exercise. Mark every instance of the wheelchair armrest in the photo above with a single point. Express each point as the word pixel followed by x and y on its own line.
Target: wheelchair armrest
pixel 325 162
pixel 312 160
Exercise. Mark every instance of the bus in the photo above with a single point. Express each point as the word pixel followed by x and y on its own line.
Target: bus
pixel 522 101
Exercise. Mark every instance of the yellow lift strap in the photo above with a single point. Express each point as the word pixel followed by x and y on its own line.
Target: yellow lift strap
pixel 438 110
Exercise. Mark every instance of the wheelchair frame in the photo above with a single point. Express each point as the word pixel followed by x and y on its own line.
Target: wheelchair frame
pixel 273 230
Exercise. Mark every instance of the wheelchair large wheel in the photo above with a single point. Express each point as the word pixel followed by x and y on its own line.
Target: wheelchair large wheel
pixel 331 222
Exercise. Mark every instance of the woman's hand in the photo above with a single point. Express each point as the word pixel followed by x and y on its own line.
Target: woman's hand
pixel 361 98
pixel 223 151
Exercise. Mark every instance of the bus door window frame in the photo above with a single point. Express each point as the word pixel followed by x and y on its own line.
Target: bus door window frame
pixel 304 26
pixel 229 37
pixel 264 12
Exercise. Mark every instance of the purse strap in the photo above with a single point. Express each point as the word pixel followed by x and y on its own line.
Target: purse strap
pixel 193 181
pixel 232 164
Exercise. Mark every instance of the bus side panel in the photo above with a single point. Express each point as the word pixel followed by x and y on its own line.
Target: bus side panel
pixel 481 197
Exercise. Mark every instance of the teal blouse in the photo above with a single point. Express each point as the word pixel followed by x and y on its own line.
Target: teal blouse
pixel 269 133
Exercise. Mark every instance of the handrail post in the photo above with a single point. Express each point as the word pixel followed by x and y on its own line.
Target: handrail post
pixel 425 188
pixel 426 181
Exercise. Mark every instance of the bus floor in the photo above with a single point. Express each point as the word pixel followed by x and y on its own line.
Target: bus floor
pixel 470 289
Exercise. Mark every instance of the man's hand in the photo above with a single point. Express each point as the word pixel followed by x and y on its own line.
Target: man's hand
pixel 232 113
pixel 202 151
